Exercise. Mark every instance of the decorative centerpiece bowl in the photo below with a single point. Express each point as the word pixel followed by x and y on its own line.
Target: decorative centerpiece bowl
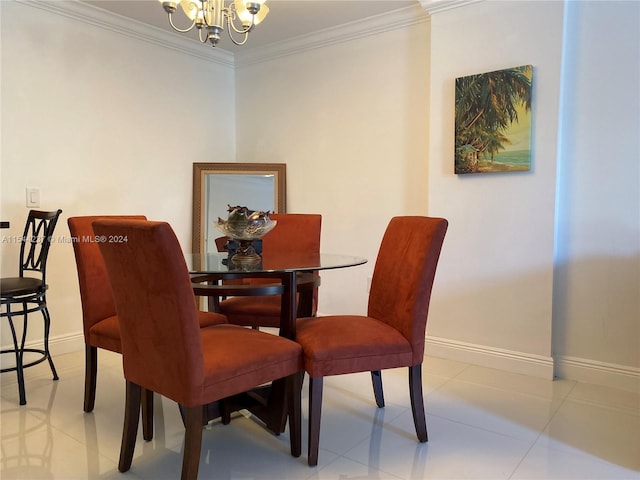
pixel 245 226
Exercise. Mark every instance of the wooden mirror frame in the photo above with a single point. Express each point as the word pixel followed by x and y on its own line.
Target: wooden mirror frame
pixel 200 170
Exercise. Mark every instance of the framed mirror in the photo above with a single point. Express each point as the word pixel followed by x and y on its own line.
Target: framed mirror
pixel 258 186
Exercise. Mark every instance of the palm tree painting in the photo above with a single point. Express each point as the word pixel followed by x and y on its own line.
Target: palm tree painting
pixel 493 121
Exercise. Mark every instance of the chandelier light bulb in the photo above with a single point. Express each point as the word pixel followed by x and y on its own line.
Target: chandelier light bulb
pixel 247 16
pixel 190 9
pixel 169 5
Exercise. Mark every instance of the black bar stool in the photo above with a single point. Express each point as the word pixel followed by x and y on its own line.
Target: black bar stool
pixel 26 294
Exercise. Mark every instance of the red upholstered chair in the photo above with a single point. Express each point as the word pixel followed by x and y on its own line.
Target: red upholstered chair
pixel 221 243
pixel 294 233
pixel 165 350
pixel 99 318
pixel 392 334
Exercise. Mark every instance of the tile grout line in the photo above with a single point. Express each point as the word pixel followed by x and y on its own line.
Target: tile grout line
pixel 540 433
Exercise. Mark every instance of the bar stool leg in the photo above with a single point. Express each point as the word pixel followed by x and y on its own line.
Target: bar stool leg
pixel 47 326
pixel 17 350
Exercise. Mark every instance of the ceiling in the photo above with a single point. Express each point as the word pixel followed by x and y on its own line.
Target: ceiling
pixel 287 18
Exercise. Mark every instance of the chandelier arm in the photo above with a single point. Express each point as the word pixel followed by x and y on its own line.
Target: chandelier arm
pixel 181 30
pixel 231 26
pixel 246 37
pixel 203 40
pixel 244 29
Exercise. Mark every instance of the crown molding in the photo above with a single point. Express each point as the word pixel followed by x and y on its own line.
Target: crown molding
pixel 437 6
pixel 374 25
pixel 131 28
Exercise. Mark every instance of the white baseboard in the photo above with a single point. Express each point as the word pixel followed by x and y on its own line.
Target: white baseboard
pixel 59 345
pixel 501 359
pixel 572 368
pixel 600 373
pixel 66 343
pixel 579 369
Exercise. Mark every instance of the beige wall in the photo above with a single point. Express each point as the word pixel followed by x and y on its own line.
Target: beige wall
pixel 350 121
pixel 102 123
pixel 597 282
pixel 544 263
pixel 365 126
pixel 494 291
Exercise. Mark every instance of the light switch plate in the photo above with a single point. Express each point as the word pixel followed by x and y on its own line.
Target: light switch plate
pixel 33 197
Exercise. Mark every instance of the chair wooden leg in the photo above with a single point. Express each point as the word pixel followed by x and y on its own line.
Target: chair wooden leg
pixel 417 402
pixel 90 375
pixel 130 430
pixel 376 380
pixel 277 421
pixel 192 443
pixel 225 411
pixel 147 414
pixel 294 385
pixel 315 410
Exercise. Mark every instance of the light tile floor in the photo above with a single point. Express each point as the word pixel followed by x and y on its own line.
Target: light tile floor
pixel 482 423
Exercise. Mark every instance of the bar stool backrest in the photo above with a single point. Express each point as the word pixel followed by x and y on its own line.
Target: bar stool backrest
pixel 35 242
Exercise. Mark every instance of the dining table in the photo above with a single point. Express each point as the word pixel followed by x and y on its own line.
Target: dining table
pixel 291 275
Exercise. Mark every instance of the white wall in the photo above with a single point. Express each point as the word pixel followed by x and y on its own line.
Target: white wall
pixel 350 121
pixel 597 285
pixel 102 123
pixel 365 126
pixel 505 296
pixel 493 297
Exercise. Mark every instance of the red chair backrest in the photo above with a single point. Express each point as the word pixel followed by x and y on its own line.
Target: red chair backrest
pixel 159 329
pixel 294 232
pixel 403 276
pixel 95 290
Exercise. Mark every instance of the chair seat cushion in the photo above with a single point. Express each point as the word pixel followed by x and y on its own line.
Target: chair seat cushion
pixel 259 311
pixel 17 286
pixel 207 319
pixel 340 344
pixel 237 359
pixel 106 333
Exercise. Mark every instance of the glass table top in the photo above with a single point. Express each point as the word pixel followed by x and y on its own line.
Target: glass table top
pixel 219 262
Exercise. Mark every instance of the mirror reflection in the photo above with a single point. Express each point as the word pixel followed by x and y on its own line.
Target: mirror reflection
pixel 258 186
pixel 253 191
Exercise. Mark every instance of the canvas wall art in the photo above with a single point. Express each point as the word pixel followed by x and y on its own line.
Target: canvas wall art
pixel 493 121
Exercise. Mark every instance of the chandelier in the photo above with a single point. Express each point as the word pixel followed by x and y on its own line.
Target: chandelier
pixel 211 16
